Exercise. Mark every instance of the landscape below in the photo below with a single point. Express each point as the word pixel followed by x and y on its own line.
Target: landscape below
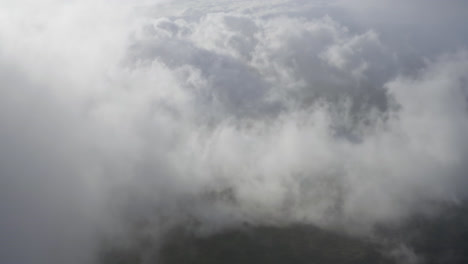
pixel 423 239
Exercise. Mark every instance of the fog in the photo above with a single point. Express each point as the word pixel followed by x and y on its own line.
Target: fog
pixel 340 114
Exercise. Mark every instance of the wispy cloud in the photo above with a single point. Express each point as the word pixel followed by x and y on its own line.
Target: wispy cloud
pixel 226 112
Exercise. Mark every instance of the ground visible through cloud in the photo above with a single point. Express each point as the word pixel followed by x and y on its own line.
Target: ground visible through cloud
pixel 128 120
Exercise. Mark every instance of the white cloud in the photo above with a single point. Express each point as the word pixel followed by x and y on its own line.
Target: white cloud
pixel 230 112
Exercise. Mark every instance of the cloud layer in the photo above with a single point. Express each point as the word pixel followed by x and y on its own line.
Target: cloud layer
pixel 219 114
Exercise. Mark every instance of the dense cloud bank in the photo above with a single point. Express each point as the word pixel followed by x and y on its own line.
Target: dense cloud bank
pixel 338 114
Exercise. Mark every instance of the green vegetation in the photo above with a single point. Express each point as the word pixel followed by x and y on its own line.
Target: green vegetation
pixel 433 240
pixel 295 244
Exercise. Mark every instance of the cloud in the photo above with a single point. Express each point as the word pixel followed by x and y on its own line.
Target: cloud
pixel 219 114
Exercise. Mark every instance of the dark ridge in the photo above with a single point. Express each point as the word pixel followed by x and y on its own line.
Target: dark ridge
pixel 441 239
pixel 423 239
pixel 297 244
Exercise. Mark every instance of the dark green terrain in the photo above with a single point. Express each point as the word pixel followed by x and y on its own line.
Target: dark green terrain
pixel 297 244
pixel 276 245
pixel 429 240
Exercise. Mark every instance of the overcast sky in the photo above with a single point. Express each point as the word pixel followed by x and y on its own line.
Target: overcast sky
pixel 336 113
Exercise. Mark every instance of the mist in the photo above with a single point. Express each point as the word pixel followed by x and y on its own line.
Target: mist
pixel 342 114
